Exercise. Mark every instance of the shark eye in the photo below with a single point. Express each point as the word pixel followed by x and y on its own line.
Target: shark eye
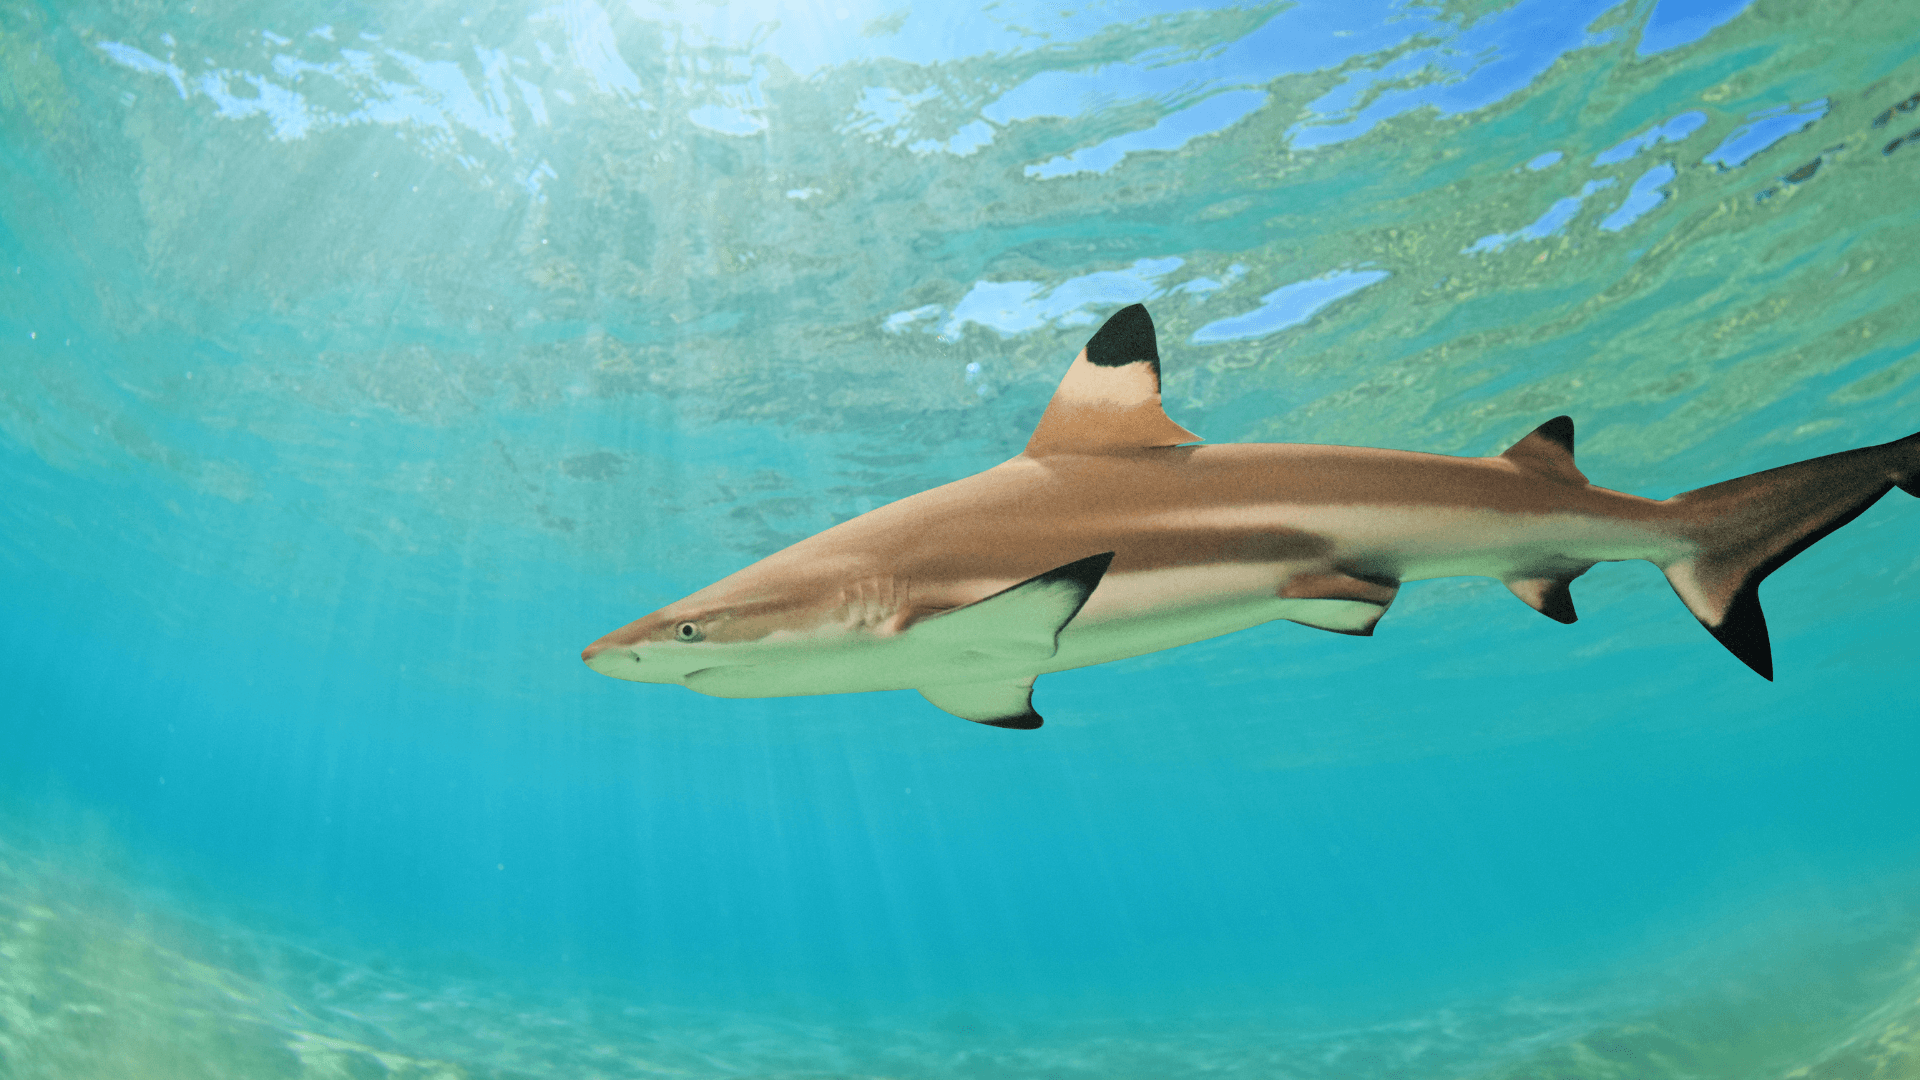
pixel 689 632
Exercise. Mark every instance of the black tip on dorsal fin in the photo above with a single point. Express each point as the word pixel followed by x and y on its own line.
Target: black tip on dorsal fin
pixel 1126 338
pixel 1548 450
pixel 1110 398
pixel 1558 431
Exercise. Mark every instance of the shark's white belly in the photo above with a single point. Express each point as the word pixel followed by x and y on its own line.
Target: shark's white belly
pixel 1138 613
pixel 1128 615
pixel 1135 613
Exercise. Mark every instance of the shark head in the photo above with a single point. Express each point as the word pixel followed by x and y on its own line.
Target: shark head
pixel 773 628
pixel 663 647
pixel 797 623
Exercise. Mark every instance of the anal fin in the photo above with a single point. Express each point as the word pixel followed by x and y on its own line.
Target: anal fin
pixel 1549 596
pixel 1006 704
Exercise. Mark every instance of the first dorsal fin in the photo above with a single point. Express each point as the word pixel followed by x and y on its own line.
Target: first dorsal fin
pixel 1548 450
pixel 1110 399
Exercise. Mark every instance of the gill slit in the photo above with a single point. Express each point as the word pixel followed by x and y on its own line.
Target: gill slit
pixel 874 603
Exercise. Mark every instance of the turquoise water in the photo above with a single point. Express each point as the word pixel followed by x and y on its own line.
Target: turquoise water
pixel 360 363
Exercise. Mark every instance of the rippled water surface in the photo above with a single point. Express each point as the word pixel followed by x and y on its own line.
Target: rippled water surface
pixel 360 362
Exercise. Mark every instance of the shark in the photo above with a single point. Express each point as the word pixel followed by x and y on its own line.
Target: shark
pixel 1116 532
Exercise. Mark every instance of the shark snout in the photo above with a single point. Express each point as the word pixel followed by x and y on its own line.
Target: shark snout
pixel 621 662
pixel 641 662
pixel 618 660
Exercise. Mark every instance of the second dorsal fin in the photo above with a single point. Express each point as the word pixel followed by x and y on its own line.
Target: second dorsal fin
pixel 1548 450
pixel 1110 399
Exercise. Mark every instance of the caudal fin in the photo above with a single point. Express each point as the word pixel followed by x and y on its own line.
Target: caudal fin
pixel 1743 530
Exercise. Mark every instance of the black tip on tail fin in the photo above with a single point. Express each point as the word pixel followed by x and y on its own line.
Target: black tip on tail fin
pixel 1743 631
pixel 1744 529
pixel 1725 597
pixel 1909 481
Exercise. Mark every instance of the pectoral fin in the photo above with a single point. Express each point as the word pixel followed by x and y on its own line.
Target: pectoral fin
pixel 998 704
pixel 1020 623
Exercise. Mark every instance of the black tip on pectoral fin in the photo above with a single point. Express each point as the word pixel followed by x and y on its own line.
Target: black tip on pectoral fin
pixel 1127 337
pixel 1019 723
pixel 1085 573
pixel 1744 632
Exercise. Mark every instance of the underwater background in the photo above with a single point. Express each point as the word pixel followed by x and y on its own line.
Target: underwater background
pixel 360 362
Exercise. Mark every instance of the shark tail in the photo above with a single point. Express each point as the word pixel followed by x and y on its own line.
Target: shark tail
pixel 1745 529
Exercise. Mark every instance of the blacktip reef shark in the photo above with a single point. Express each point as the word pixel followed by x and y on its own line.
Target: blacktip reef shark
pixel 1110 536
